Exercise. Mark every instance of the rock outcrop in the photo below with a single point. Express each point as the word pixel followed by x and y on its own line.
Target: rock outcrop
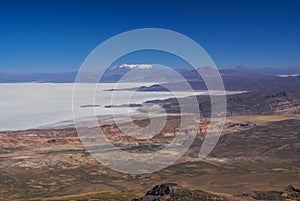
pixel 174 192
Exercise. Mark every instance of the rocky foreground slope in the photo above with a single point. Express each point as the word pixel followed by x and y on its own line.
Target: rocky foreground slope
pixel 257 157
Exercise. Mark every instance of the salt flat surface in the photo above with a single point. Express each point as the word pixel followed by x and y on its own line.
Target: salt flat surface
pixel 35 105
pixel 32 105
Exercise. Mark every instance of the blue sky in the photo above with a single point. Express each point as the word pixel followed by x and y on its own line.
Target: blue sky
pixel 55 36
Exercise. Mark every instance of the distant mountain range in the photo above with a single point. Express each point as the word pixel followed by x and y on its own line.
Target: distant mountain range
pixel 15 77
pixel 147 72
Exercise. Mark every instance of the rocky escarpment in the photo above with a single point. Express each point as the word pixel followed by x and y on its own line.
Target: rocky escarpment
pixel 250 103
pixel 174 192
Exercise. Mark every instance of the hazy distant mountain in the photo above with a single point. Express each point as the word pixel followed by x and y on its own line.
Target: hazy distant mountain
pixel 285 70
pixel 242 72
pixel 148 73
pixel 270 83
pixel 288 70
pixel 14 77
pixel 210 72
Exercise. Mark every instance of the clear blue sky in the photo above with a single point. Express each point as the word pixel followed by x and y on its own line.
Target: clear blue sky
pixel 57 35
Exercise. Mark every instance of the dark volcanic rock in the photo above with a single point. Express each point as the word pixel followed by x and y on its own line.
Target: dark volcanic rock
pixel 290 193
pixel 173 192
pixel 292 189
pixel 270 195
pixel 165 189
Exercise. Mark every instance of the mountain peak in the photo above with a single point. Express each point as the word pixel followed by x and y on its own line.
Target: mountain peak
pixel 240 67
pixel 133 66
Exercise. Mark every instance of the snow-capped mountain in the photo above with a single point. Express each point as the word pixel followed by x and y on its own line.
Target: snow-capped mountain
pixel 138 73
pixel 117 72
pixel 133 66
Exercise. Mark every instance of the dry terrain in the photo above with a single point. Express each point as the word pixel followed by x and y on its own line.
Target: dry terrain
pixel 255 154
